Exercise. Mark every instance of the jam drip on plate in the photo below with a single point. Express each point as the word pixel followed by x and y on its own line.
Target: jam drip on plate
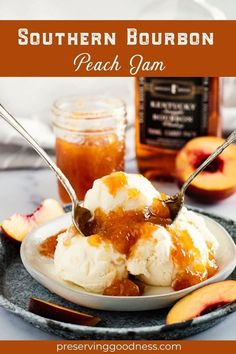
pixel 124 287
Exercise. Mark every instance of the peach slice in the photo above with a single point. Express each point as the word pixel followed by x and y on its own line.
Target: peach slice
pixel 218 180
pixel 18 226
pixel 60 313
pixel 202 301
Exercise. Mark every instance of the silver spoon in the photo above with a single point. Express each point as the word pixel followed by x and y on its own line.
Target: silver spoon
pixel 176 201
pixel 80 215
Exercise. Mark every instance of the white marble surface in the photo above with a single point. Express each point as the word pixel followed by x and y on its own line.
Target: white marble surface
pixel 23 190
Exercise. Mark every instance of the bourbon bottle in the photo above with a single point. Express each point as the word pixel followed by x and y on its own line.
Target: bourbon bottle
pixel 169 112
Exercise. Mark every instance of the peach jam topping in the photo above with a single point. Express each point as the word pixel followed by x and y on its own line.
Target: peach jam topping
pixel 192 270
pixel 124 228
pixel 115 182
pixel 93 157
pixel 125 287
pixel 48 246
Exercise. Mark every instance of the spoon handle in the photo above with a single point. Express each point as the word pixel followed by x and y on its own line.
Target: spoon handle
pixel 19 128
pixel 231 138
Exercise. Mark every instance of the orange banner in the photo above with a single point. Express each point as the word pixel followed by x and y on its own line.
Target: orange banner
pixel 135 347
pixel 117 48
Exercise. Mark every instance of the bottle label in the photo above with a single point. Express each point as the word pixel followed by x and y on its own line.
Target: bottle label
pixel 173 110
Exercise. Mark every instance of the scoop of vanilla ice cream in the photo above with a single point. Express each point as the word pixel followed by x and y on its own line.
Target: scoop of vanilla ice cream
pixel 189 219
pixel 133 191
pixel 84 262
pixel 150 259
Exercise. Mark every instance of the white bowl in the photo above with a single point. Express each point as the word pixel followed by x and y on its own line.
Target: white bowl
pixel 42 269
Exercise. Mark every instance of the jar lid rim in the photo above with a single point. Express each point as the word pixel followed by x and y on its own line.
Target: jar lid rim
pixel 109 106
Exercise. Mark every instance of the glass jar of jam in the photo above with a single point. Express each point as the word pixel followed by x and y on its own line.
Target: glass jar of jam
pixel 90 139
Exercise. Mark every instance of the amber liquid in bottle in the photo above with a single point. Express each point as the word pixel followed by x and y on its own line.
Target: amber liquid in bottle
pixel 170 112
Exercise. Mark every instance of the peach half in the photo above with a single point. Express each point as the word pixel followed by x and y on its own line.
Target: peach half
pixel 218 180
pixel 202 301
pixel 18 226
